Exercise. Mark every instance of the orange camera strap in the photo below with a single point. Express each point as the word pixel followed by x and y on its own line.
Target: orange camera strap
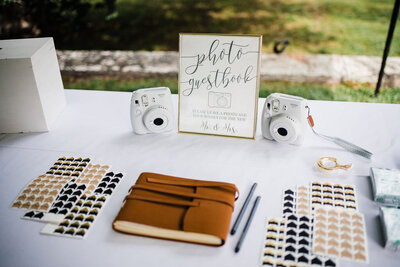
pixel 340 142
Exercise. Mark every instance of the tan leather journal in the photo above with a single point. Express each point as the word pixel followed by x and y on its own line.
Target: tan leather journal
pixel 175 208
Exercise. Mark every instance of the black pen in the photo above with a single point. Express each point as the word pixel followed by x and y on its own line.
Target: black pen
pixel 243 209
pixel 246 227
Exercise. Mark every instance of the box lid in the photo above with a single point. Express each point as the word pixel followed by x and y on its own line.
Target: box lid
pixel 21 48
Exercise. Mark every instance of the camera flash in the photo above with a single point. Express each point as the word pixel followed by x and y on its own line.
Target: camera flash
pixel 275 105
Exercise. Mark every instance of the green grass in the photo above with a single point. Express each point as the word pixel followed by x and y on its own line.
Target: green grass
pixel 356 27
pixel 342 92
pixel 352 27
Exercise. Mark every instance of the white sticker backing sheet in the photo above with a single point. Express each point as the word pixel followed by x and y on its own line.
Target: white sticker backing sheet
pixel 320 224
pixel 272 254
pixel 302 200
pixel 69 196
pixel 340 233
pixel 41 192
pixel 298 243
pixel 288 242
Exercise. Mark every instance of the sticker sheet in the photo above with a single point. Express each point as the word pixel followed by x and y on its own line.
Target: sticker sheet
pixel 69 196
pixel 39 194
pixel 272 254
pixel 304 199
pixel 68 166
pixel 108 183
pixel 298 243
pixel 91 177
pixel 288 242
pixel 81 215
pixel 86 183
pixel 289 201
pixel 340 233
pixel 333 195
pixel 296 201
pixel 320 225
pixel 79 219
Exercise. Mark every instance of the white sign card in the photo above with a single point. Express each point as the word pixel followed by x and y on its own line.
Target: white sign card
pixel 218 84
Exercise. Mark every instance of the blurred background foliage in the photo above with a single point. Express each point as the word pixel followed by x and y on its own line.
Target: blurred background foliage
pixel 351 27
pixel 356 27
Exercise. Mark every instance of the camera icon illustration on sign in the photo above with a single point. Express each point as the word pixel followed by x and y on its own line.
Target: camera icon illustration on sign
pixel 219 100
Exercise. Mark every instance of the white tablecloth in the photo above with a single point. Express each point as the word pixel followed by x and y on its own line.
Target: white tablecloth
pixel 97 125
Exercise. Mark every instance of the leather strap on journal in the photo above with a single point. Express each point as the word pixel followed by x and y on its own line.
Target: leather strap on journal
pixel 177 202
pixel 218 198
pixel 228 186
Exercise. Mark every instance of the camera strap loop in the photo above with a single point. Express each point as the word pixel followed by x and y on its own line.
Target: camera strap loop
pixel 340 142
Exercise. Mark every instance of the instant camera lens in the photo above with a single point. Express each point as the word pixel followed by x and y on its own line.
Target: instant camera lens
pixel 158 121
pixel 282 131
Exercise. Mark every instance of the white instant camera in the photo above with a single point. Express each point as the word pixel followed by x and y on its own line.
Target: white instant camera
pixel 284 118
pixel 151 110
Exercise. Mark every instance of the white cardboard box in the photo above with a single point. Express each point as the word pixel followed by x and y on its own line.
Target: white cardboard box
pixel 31 88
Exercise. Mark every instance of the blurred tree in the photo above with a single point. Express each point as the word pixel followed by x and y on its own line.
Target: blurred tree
pixel 324 26
pixel 132 24
pixel 155 24
pixel 65 20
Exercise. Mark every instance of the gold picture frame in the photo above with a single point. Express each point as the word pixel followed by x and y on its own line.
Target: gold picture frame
pixel 200 40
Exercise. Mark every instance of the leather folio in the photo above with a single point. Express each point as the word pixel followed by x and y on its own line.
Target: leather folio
pixel 175 208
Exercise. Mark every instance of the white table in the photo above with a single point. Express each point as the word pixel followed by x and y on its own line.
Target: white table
pixel 97 125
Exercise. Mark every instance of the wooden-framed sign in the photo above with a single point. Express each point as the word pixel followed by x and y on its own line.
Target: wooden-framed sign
pixel 219 79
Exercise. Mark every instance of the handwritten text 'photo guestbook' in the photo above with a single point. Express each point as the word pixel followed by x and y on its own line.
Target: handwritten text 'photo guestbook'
pixel 218 84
